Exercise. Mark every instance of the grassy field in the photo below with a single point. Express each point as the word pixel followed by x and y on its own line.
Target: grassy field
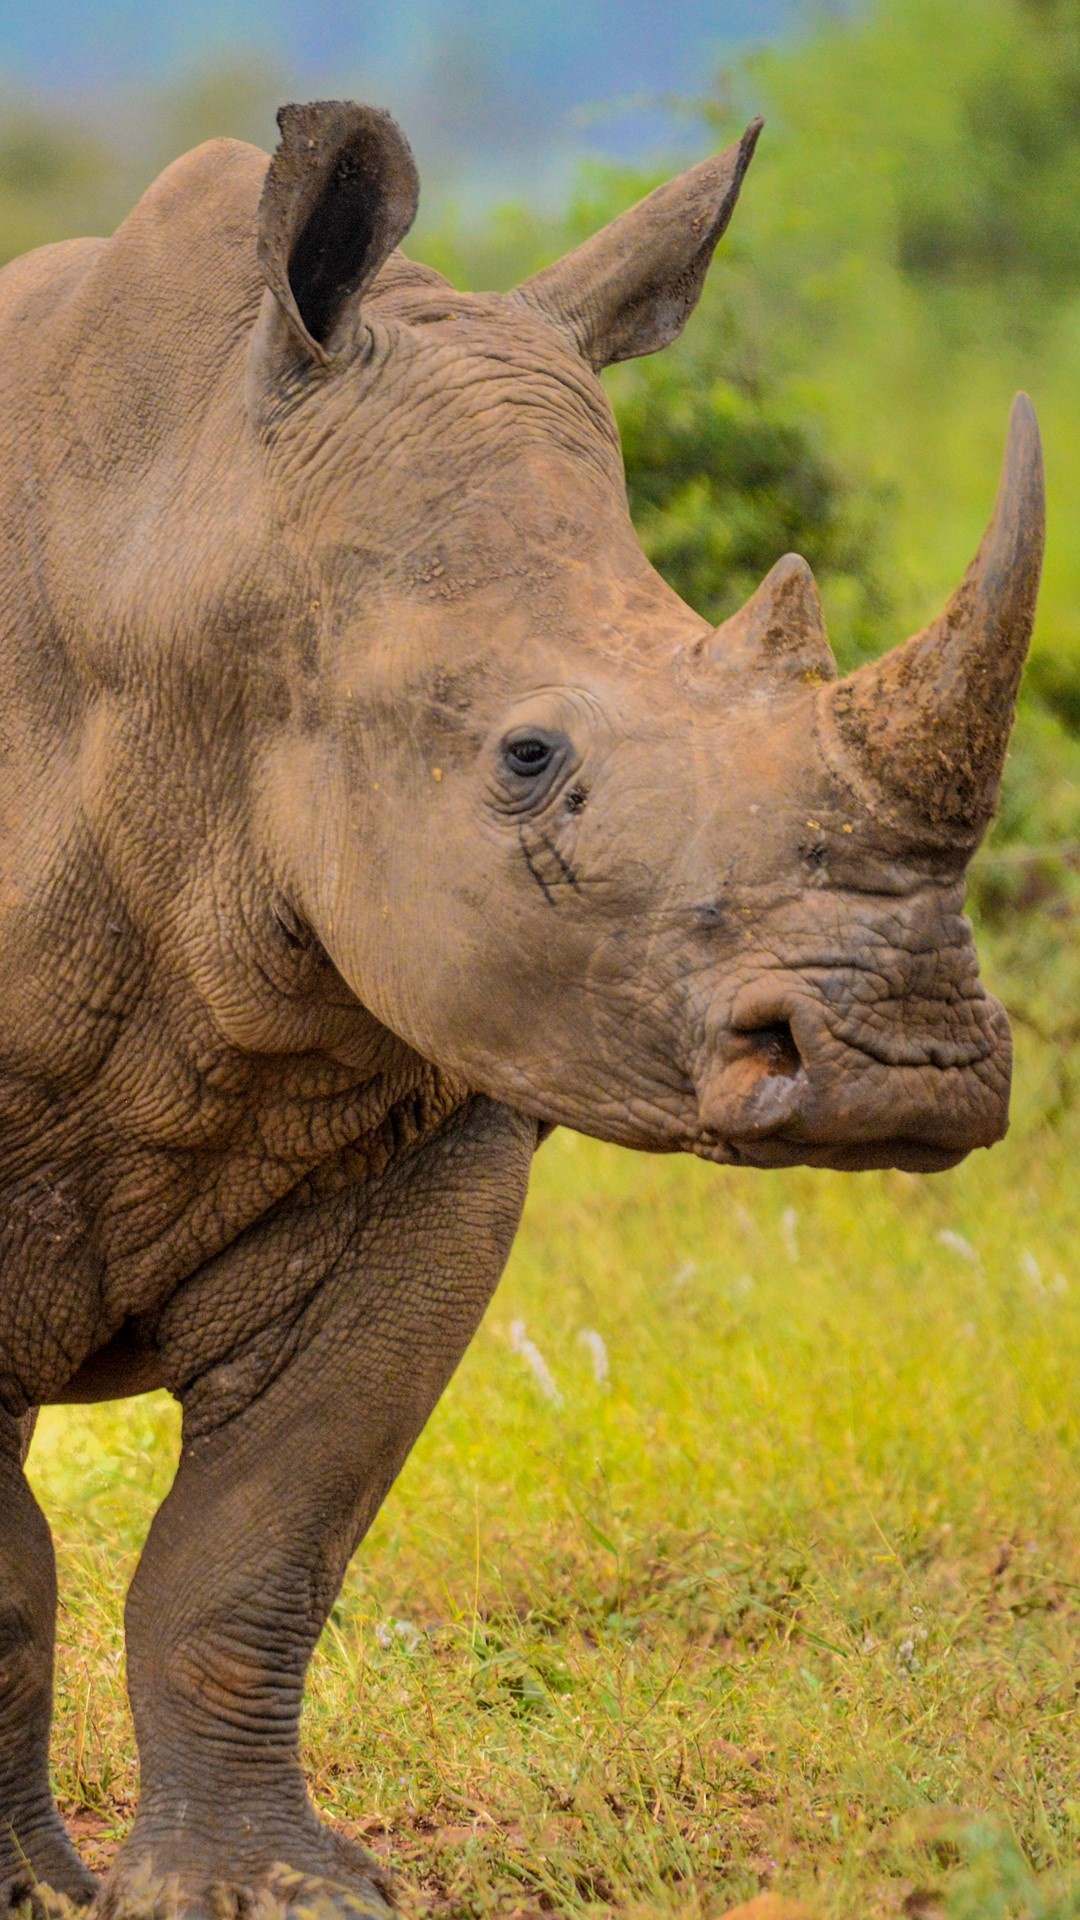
pixel 765 1574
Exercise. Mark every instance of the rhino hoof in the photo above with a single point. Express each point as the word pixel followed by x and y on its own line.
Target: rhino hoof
pixel 305 1896
pixel 30 1899
pixel 281 1893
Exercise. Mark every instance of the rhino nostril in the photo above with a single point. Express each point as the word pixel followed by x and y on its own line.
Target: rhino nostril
pixel 754 1083
pixel 774 1046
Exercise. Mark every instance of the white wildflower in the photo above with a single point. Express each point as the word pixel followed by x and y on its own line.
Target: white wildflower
pixel 789 1223
pixel 1054 1289
pixel 958 1245
pixel 533 1358
pixel 598 1354
pixel 1031 1268
pixel 389 1631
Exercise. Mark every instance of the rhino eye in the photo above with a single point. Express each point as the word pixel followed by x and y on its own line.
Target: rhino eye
pixel 529 754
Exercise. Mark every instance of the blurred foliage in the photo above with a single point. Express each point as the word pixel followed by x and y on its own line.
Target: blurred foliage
pixel 724 476
pixel 50 176
pixel 67 171
pixel 236 98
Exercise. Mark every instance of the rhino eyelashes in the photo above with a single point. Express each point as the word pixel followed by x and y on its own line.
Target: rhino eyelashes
pixel 564 874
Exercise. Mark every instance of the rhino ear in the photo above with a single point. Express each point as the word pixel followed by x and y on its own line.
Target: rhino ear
pixel 340 193
pixel 633 286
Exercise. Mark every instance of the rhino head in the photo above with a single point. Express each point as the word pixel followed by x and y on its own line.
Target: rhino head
pixel 676 887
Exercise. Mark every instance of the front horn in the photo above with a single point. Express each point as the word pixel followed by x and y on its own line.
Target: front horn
pixel 924 730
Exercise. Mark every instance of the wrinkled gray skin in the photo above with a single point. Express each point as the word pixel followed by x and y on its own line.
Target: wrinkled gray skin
pixel 368 806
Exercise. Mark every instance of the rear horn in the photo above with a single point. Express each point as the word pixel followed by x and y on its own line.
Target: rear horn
pixel 779 632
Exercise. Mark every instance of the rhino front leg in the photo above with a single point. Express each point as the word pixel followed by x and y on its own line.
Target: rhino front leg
pixel 247 1553
pixel 34 1847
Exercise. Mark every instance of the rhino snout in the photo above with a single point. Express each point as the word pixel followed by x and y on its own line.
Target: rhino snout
pixel 787 1081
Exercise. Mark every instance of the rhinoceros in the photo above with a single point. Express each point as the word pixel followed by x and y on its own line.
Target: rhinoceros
pixel 370 807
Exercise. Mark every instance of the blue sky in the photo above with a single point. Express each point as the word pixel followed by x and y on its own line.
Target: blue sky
pixel 524 78
pixel 590 48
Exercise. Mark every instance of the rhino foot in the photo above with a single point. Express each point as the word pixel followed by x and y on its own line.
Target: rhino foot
pixel 33 1900
pixel 134 1891
pixel 26 1899
pixel 49 1883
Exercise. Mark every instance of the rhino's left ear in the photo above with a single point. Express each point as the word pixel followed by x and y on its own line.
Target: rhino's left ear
pixel 340 193
pixel 633 286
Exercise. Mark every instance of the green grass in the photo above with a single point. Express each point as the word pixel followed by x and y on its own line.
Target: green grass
pixel 791 1600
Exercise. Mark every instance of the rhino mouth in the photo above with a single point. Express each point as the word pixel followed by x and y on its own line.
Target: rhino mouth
pixel 906 1155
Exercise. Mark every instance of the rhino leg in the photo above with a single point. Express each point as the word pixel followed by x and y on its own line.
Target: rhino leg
pixel 26 1432
pixel 246 1555
pixel 34 1847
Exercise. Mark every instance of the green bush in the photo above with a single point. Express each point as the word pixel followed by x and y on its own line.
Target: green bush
pixel 724 476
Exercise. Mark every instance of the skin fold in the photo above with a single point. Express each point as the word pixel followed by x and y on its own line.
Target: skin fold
pixel 369 806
